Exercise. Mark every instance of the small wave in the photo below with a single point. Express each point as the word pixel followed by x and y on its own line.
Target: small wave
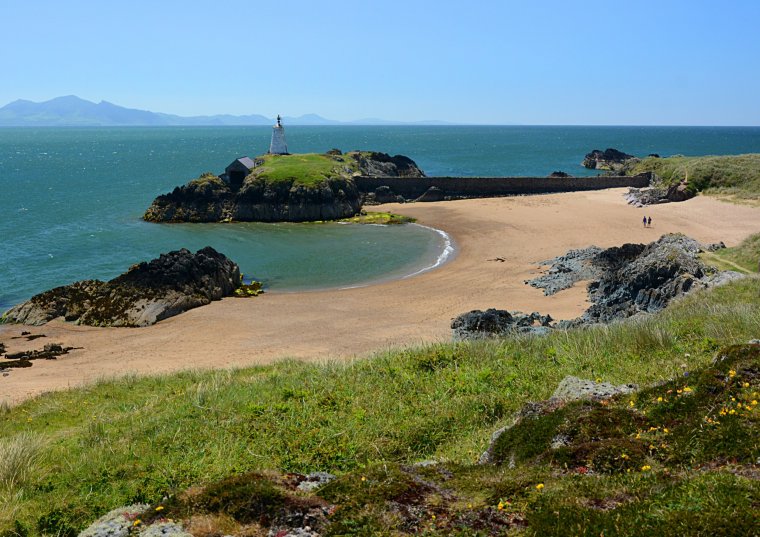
pixel 448 251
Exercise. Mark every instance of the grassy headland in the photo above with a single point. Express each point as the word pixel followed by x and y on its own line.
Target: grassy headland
pixel 68 457
pixel 308 169
pixel 736 176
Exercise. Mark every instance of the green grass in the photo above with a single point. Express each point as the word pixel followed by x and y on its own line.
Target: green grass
pixel 139 439
pixel 734 176
pixel 746 255
pixel 378 217
pixel 308 169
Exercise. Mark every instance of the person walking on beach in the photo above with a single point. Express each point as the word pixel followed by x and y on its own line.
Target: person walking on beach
pixel 645 221
pixel 649 222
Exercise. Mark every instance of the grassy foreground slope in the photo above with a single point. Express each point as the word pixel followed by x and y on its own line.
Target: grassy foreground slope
pixel 737 176
pixel 68 457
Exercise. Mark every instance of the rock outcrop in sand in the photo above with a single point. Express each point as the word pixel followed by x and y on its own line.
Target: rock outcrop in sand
pixel 478 324
pixel 631 278
pixel 147 293
pixel 625 280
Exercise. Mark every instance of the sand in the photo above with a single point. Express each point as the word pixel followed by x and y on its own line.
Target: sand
pixel 342 324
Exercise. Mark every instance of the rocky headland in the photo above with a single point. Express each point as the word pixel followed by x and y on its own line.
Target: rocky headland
pixel 147 293
pixel 292 188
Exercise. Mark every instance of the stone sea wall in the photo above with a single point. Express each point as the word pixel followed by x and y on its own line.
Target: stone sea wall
pixel 473 187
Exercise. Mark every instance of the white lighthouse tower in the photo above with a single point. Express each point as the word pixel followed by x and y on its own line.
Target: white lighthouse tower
pixel 278 146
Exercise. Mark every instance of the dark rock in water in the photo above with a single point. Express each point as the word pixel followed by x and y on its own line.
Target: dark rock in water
pixel 478 324
pixel 609 159
pixel 432 194
pixel 560 174
pixel 145 294
pixel 382 194
pixel 384 165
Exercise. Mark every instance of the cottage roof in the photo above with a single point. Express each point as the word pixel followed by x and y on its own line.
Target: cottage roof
pixel 247 162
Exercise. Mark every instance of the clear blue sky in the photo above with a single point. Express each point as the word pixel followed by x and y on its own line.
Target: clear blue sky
pixel 642 62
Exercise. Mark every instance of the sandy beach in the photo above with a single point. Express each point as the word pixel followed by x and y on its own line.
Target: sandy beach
pixel 342 324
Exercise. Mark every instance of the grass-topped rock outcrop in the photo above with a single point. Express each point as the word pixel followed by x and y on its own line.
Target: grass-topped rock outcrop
pixel 294 188
pixel 147 293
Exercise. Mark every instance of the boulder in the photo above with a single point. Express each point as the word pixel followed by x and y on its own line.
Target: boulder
pixel 679 192
pixel 432 194
pixel 382 194
pixel 478 324
pixel 147 293
pixel 573 388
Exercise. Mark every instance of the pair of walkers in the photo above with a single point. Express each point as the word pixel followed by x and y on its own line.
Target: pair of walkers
pixel 647 221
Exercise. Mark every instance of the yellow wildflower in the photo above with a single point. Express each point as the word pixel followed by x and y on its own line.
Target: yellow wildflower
pixel 646 468
pixel 732 373
pixel 364 478
pixel 754 402
pixel 746 384
pixel 665 430
pixel 160 508
pixel 500 506
pixel 539 486
pixel 686 389
pixel 630 403
pixel 137 522
pixel 659 399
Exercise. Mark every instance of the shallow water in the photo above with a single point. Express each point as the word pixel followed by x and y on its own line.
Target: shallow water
pixel 72 198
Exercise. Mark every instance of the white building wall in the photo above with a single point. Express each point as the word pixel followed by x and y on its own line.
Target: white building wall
pixel 278 145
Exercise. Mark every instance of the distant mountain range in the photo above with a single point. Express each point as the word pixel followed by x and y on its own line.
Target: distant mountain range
pixel 71 111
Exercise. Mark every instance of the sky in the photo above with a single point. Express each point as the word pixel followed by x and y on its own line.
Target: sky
pixel 565 62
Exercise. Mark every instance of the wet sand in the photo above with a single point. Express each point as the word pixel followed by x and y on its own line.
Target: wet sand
pixel 342 324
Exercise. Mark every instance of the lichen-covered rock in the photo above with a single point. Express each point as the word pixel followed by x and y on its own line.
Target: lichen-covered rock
pixel 315 480
pixel 573 388
pixel 116 523
pixel 569 389
pixel 145 294
pixel 478 324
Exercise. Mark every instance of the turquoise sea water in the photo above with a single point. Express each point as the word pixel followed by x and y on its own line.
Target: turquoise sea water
pixel 72 197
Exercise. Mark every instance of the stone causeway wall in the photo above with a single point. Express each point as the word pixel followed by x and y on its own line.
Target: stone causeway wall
pixel 474 187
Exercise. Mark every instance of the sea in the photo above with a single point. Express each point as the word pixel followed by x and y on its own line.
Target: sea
pixel 72 198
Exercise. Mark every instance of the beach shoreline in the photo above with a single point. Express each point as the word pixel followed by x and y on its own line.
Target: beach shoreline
pixel 359 321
